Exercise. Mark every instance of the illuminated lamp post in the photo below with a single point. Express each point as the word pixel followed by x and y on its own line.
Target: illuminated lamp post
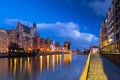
pixel 109 40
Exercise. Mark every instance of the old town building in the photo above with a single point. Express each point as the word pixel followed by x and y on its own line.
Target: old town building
pixel 4 41
pixel 103 35
pixel 52 46
pixel 58 47
pixel 27 40
pixel 12 36
pixel 36 42
pixel 113 29
pixel 45 45
pixel 94 49
pixel 25 36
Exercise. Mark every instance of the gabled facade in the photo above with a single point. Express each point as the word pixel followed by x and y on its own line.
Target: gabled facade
pixel 12 36
pixel 36 42
pixel 25 35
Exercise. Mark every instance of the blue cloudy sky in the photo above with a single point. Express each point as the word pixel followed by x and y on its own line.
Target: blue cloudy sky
pixel 77 21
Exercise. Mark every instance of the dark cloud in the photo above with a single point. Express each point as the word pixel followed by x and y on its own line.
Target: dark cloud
pixel 100 7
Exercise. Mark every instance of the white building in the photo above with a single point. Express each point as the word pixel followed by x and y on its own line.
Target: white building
pixel 94 49
pixel 52 46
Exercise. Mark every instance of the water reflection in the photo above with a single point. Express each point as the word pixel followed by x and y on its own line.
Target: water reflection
pixel 67 59
pixel 32 64
pixel 31 67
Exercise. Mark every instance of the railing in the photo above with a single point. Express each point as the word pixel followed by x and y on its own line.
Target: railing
pixel 84 73
pixel 113 48
pixel 112 52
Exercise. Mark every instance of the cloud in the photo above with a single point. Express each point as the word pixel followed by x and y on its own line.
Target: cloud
pixel 77 3
pixel 85 28
pixel 100 7
pixel 61 31
pixel 14 21
pixel 69 30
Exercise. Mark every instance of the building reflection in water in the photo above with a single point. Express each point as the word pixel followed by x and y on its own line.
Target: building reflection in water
pixel 49 67
pixel 53 62
pixel 48 62
pixel 41 62
pixel 28 68
pixel 67 59
pixel 25 68
pixel 20 64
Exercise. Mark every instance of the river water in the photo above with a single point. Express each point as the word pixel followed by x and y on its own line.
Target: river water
pixel 47 67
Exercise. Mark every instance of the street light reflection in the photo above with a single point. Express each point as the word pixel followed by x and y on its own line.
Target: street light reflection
pixel 20 64
pixel 53 62
pixel 15 66
pixel 42 63
pixel 48 62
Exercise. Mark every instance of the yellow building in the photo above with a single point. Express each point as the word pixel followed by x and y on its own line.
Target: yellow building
pixel 4 41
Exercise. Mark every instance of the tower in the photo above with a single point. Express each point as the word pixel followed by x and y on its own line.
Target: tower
pixel 34 28
pixel 67 45
pixel 34 25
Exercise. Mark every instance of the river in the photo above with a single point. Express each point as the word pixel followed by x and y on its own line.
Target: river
pixel 47 67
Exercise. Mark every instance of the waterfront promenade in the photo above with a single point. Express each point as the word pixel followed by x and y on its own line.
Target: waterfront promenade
pixel 101 68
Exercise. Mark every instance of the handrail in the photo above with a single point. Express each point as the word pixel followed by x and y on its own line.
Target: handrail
pixel 85 69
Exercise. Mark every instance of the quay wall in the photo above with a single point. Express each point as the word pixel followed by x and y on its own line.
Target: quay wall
pixel 84 73
pixel 115 58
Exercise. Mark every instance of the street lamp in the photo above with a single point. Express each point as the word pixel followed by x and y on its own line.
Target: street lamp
pixel 109 40
pixel 41 49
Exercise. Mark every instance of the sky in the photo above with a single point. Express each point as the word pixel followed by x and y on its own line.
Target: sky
pixel 77 21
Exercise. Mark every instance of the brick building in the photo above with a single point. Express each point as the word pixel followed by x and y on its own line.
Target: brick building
pixel 36 42
pixel 12 36
pixel 67 45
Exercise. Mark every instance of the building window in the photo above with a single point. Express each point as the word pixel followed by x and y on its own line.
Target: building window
pixel 117 36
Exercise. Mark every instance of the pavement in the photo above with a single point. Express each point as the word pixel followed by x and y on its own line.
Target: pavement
pixel 102 69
